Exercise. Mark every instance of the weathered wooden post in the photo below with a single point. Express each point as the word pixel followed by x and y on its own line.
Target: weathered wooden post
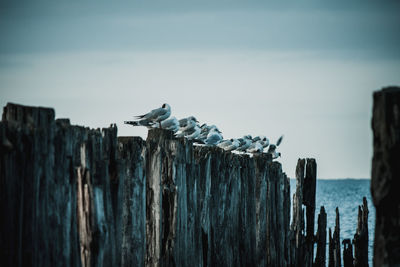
pixel 306 174
pixel 320 258
pixel 131 214
pixel 331 259
pixel 334 244
pixel 297 226
pixel 360 240
pixel 347 253
pixel 385 180
pixel 336 240
pixel 309 190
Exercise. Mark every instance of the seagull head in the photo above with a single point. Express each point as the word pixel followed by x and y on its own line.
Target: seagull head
pixel 166 106
pixel 271 148
pixel 193 118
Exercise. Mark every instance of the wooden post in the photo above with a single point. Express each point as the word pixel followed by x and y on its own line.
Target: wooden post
pixel 385 178
pixel 297 226
pixel 320 258
pixel 309 189
pixel 361 236
pixel 331 262
pixel 306 172
pixel 334 244
pixel 336 241
pixel 347 253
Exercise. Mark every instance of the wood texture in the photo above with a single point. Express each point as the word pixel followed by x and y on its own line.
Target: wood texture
pixel 360 240
pixel 302 238
pixel 320 258
pixel 385 178
pixel 75 196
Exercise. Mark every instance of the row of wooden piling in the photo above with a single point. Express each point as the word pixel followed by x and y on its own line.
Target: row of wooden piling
pixel 80 197
pixel 303 227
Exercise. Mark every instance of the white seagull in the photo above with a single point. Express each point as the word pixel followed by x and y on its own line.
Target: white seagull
pixel 171 124
pixel 234 144
pixel 183 122
pixel 194 134
pixel 272 148
pixel 245 143
pixel 154 116
pixel 213 137
pixel 256 147
pixel 188 129
pixel 225 143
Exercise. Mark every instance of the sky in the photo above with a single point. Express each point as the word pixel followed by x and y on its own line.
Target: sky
pixel 305 69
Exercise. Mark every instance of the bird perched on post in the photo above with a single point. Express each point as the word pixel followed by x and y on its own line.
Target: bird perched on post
pixel 256 147
pixel 187 126
pixel 234 144
pixel 171 124
pixel 245 143
pixel 214 136
pixel 154 116
pixel 272 148
pixel 183 122
pixel 194 133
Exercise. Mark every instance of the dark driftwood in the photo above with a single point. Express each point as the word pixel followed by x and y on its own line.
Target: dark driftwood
pixel 360 240
pixel 320 257
pixel 347 253
pixel 385 181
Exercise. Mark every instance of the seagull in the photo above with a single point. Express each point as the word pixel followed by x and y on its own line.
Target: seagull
pixel 245 143
pixel 213 137
pixel 195 133
pixel 171 124
pixel 258 138
pixel 183 122
pixel 256 147
pixel 205 129
pixel 188 129
pixel 272 148
pixel 154 116
pixel 234 144
pixel 224 143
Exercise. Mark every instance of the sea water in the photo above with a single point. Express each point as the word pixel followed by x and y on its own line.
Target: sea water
pixel 346 194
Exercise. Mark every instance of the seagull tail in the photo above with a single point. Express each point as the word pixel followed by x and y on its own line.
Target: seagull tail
pixel 139 117
pixel 133 123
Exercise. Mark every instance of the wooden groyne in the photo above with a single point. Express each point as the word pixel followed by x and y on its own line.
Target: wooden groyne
pixel 74 196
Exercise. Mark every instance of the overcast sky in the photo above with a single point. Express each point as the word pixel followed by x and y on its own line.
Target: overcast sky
pixel 306 70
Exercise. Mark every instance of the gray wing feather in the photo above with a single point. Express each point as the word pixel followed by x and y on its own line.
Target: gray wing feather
pixel 153 114
pixel 279 141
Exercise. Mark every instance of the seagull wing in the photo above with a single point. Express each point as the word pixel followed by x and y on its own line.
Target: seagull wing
pixel 153 114
pixel 279 141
